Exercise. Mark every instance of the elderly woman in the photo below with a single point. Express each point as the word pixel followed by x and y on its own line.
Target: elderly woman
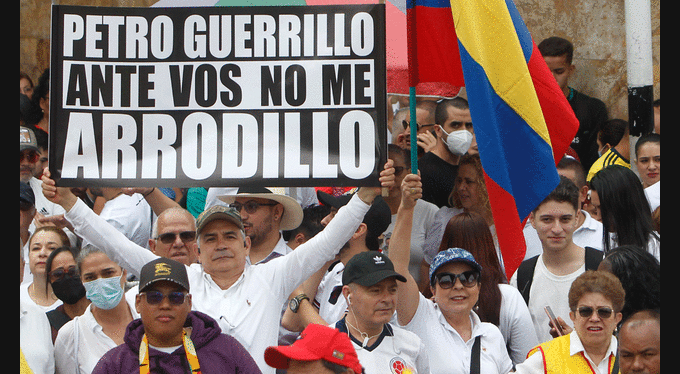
pixel 456 339
pixel 595 299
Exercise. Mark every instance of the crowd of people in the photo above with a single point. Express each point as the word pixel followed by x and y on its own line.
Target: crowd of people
pixel 407 277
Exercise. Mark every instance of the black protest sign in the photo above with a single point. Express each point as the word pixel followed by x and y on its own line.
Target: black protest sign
pixel 218 96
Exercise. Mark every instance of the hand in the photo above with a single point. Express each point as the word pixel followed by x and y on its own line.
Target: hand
pixel 427 141
pixel 566 328
pixel 58 195
pixel 367 194
pixel 144 191
pixel 411 190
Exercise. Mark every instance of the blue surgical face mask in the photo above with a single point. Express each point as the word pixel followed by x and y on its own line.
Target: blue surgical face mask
pixel 104 293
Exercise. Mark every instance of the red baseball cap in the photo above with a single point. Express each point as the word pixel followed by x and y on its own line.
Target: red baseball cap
pixel 315 342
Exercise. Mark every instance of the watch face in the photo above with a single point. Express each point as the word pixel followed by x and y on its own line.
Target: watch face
pixel 294 304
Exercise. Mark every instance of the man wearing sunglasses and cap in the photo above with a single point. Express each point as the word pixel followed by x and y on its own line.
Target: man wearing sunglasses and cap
pixel 245 300
pixel 169 337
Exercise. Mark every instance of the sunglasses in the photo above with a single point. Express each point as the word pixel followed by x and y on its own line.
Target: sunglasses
pixel 59 273
pixel 418 126
pixel 602 312
pixel 170 237
pixel 32 156
pixel 447 280
pixel 250 206
pixel 156 297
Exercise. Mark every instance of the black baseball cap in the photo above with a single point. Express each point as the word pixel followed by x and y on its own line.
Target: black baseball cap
pixel 163 269
pixel 369 268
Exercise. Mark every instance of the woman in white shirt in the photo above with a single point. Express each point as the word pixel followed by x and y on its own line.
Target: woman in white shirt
pixel 82 341
pixel 499 303
pixel 44 240
pixel 455 338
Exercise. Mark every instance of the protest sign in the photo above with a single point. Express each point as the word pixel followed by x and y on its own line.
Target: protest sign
pixel 218 96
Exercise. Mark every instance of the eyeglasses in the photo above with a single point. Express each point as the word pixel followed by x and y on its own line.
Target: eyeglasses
pixel 156 297
pixel 32 156
pixel 170 237
pixel 447 280
pixel 250 206
pixel 59 273
pixel 602 312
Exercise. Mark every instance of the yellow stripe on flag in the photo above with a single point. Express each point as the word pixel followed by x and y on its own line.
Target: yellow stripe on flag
pixel 486 30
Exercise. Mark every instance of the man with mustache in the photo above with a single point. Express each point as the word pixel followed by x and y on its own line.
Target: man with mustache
pixel 264 215
pixel 245 300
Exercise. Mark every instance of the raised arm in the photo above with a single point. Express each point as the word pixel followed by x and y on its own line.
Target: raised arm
pixel 90 226
pixel 399 250
pixel 311 255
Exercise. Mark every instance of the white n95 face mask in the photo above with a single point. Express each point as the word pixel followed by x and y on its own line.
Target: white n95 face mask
pixel 458 141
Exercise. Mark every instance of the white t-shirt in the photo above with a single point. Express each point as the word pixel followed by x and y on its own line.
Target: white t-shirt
pixel 329 299
pixel 395 350
pixel 447 351
pixel 548 289
pixel 131 215
pixel 35 338
pixel 516 324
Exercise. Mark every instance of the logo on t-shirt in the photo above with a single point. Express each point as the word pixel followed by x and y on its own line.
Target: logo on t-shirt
pixel 398 366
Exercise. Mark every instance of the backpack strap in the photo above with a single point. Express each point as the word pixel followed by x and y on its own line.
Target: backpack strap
pixel 525 276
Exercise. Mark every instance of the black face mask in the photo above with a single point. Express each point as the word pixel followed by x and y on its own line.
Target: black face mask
pixel 69 289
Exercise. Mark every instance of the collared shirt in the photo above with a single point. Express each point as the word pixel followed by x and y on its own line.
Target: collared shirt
pixel 81 342
pixel 535 362
pixel 250 309
pixel 280 249
pixel 395 350
pixel 447 350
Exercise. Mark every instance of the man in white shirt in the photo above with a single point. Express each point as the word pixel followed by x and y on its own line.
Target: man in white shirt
pixel 324 291
pixel 370 288
pixel 264 215
pixel 562 260
pixel 245 300
pixel 588 230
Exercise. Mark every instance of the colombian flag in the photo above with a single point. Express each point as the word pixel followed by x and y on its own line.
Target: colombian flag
pixel 432 43
pixel 522 121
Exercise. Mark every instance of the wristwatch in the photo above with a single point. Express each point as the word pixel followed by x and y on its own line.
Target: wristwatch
pixel 294 303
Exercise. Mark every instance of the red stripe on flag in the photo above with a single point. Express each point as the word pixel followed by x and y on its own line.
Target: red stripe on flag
pixel 560 119
pixel 433 46
pixel 509 227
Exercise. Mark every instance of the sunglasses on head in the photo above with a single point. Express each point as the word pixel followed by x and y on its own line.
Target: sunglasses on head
pixel 250 206
pixel 602 312
pixel 170 237
pixel 448 280
pixel 156 297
